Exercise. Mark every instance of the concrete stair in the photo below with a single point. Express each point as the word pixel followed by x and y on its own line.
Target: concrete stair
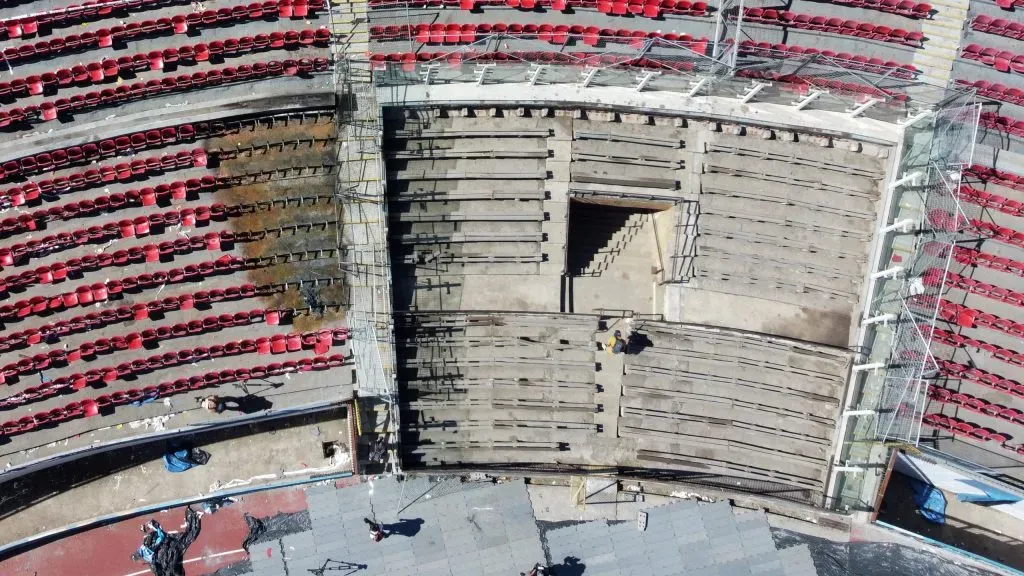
pixel 619 234
pixel 943 33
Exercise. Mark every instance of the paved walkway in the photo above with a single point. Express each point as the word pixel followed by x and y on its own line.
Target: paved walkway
pixel 443 527
pixel 436 528
pixel 680 538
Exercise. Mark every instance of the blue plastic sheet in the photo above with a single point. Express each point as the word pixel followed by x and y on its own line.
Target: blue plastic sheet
pixel 930 501
pixel 178 461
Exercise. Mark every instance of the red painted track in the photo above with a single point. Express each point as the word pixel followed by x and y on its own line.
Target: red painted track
pixel 107 551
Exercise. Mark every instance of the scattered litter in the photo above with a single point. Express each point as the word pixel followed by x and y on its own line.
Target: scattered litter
pixel 180 459
pixel 274 527
pixel 165 551
pixel 211 506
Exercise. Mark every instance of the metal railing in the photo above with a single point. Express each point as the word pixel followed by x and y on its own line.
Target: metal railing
pixel 888 390
pixel 814 81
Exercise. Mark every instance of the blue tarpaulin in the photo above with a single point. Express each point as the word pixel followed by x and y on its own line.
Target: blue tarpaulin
pixel 992 495
pixel 178 461
pixel 930 501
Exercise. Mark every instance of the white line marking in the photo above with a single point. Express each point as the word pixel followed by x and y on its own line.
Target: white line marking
pixel 217 555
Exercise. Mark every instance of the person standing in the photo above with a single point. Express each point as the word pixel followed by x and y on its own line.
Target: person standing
pixel 376 530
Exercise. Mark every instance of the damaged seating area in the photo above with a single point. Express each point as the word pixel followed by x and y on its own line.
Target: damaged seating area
pixel 730 403
pixel 151 269
pixel 786 220
pixel 481 388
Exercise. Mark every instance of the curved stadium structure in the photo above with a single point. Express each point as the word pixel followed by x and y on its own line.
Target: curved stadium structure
pixel 411 231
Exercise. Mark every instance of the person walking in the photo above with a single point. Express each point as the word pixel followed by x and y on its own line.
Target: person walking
pixel 376 530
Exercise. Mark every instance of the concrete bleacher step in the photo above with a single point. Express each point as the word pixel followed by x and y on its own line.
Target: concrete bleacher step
pixel 943 33
pixel 794 446
pixel 795 294
pixel 693 454
pixel 760 398
pixel 604 256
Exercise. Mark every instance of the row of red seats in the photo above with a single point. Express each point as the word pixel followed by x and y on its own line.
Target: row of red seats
pixel 996 232
pixel 60 271
pixel 148 196
pixel 1000 177
pixel 998 26
pixel 19 254
pixel 556 34
pixel 140 226
pixel 844 59
pixel 139 311
pixel 865 30
pixel 971 257
pixel 126 66
pixel 946 221
pixel 978 376
pixel 178 24
pixel 802 85
pixel 88 351
pixel 975 404
pixel 1006 124
pixel 88 294
pixel 961 341
pixel 1001 60
pixel 1009 4
pixel 933 276
pixel 409 60
pixel 76 14
pixel 995 90
pixel 958 427
pixel 319 342
pixel 32 192
pixel 49 110
pixel 126 144
pixel 94 406
pixel 968 317
pixel 906 8
pixel 646 8
pixel 991 201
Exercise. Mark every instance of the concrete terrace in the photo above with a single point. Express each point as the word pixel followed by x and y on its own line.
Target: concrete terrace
pixel 730 241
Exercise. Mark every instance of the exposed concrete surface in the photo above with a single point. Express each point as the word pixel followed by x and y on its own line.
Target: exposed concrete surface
pixel 250 456
pixel 729 110
pixel 691 303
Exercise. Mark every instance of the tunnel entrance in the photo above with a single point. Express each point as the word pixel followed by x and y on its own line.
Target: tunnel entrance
pixel 613 254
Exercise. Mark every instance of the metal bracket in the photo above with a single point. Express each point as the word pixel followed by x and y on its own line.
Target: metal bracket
pixel 892 273
pixel 698 87
pixel 905 226
pixel 863 107
pixel 535 72
pixel 913 178
pixel 814 95
pixel 643 81
pixel 752 91
pixel 427 71
pixel 920 115
pixel 874 367
pixel 481 73
pixel 588 75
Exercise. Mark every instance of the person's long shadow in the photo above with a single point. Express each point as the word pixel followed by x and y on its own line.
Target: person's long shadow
pixel 571 566
pixel 249 404
pixel 408 527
